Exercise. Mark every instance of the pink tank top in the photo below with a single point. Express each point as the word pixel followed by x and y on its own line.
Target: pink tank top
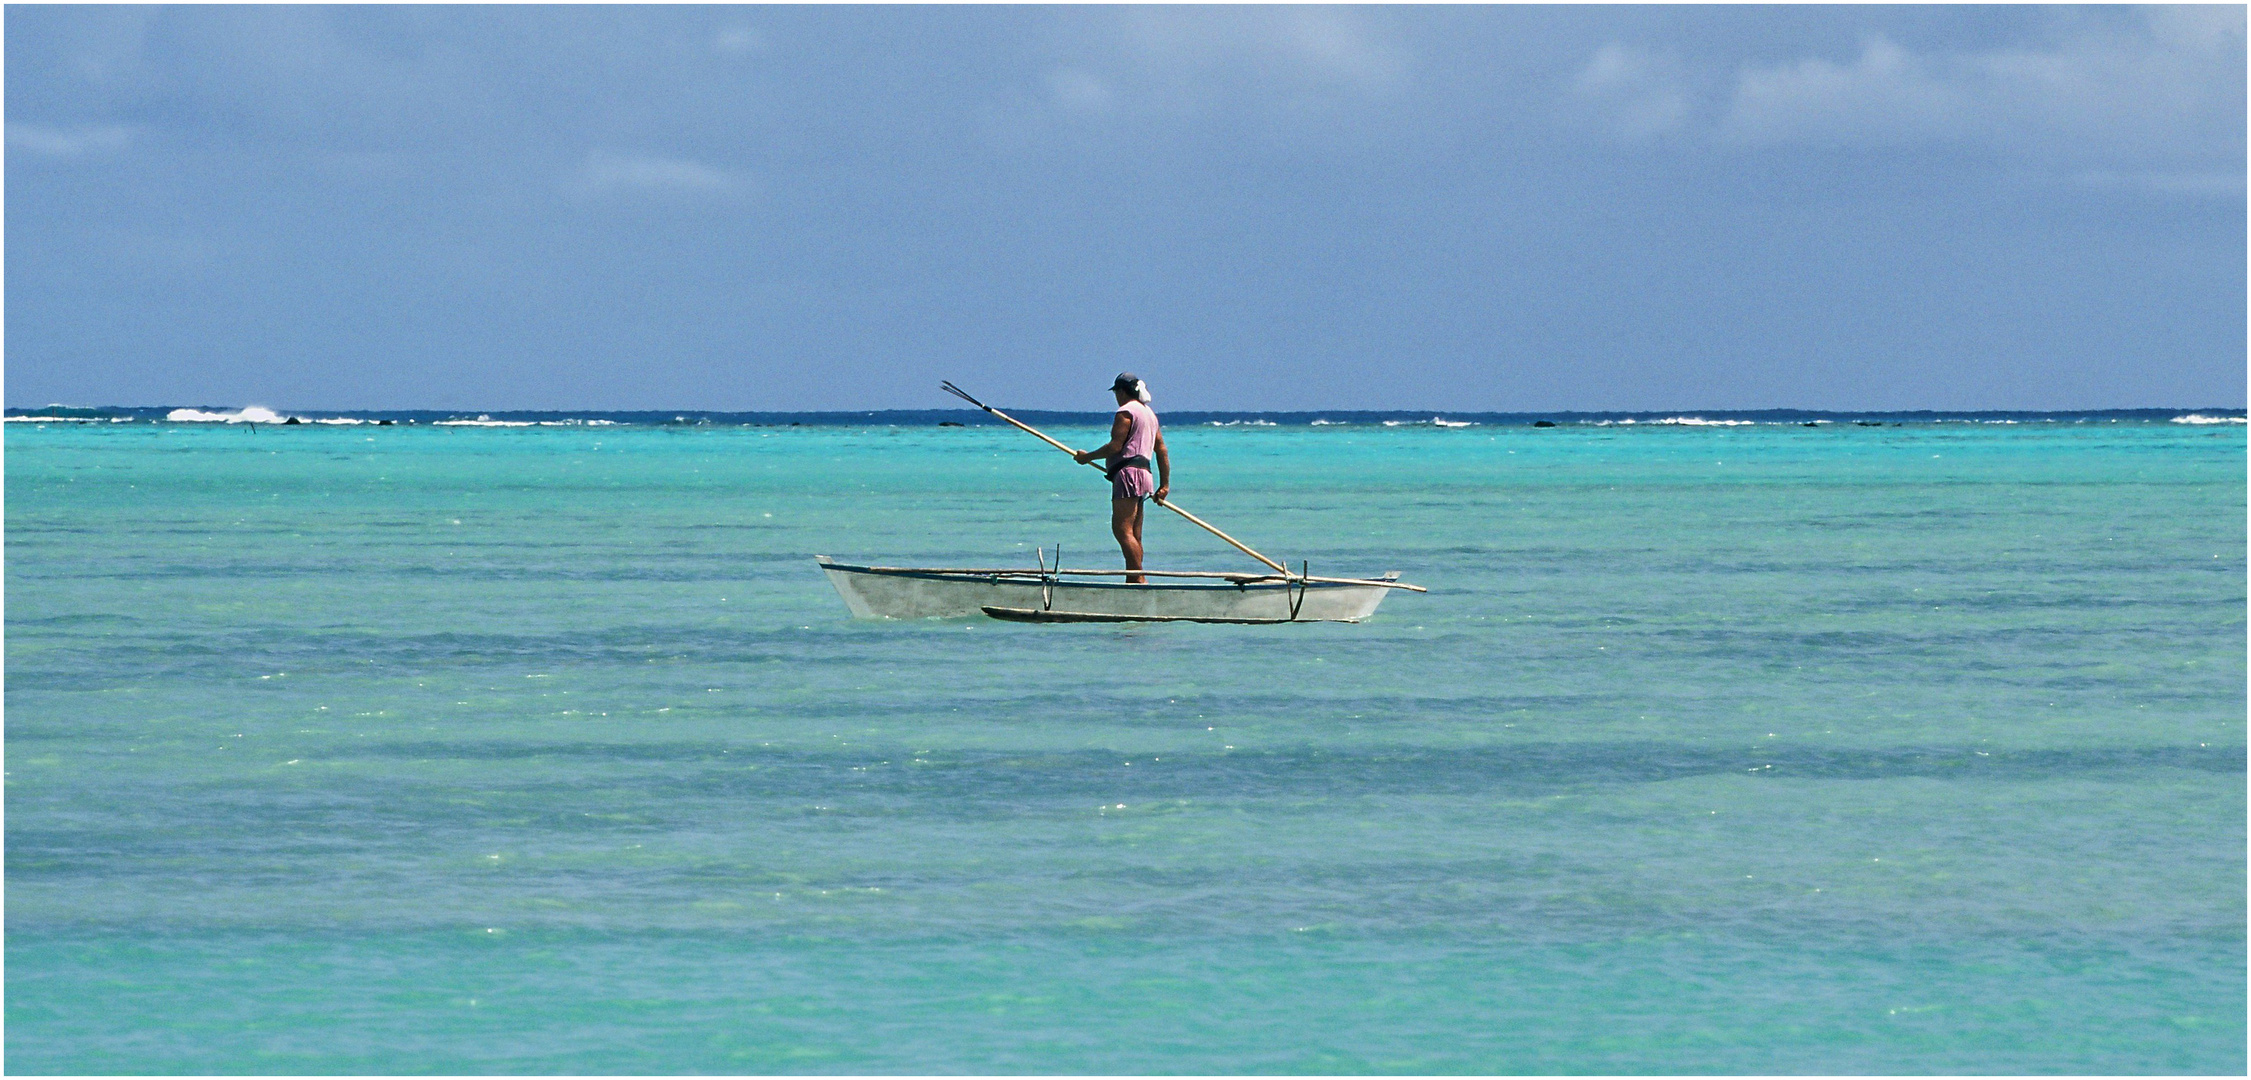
pixel 1141 438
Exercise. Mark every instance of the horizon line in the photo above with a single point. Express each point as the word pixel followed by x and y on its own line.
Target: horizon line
pixel 1316 413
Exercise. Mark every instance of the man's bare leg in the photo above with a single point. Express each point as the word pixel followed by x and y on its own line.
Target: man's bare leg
pixel 1139 552
pixel 1125 524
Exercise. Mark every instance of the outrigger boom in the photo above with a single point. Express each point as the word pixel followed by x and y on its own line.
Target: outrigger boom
pixel 1023 571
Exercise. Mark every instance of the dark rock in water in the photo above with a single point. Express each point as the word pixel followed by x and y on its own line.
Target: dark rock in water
pixel 1809 423
pixel 292 420
pixel 383 423
pixel 1543 423
pixel 1867 423
pixel 794 423
pixel 951 423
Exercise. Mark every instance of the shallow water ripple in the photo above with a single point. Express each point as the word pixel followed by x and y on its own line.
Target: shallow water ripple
pixel 1749 749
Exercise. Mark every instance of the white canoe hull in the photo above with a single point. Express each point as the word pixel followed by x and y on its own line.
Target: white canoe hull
pixel 896 593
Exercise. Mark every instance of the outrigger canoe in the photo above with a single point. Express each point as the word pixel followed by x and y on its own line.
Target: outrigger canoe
pixel 1042 595
pixel 1045 595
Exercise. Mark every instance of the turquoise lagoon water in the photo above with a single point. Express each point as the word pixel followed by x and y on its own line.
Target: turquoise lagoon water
pixel 1764 748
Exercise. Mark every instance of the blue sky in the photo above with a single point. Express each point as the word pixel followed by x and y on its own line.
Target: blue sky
pixel 1256 208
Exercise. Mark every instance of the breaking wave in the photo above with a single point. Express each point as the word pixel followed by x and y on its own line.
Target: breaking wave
pixel 486 420
pixel 2200 418
pixel 250 414
pixel 257 414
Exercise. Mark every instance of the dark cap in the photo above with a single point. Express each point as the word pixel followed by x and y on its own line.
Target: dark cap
pixel 1126 380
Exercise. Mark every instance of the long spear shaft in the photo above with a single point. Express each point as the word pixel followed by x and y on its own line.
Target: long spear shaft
pixel 1042 436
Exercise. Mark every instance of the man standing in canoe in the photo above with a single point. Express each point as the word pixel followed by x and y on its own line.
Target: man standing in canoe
pixel 1134 440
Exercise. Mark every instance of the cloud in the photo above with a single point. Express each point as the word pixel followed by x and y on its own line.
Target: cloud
pixel 607 174
pixel 67 142
pixel 739 41
pixel 1078 91
pixel 1325 45
pixel 1295 75
pixel 2207 28
pixel 2168 85
pixel 1163 60
pixel 1885 95
pixel 2215 185
pixel 1634 93
pixel 1336 45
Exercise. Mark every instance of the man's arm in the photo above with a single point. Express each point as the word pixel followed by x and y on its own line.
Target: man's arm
pixel 1119 429
pixel 1164 468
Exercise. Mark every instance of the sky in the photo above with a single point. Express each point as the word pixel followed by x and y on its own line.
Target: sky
pixel 815 207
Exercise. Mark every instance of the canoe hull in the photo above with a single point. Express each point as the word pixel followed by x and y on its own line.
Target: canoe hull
pixel 925 594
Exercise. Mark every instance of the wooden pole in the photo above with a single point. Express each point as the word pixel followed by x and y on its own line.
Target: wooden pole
pixel 1042 436
pixel 1239 545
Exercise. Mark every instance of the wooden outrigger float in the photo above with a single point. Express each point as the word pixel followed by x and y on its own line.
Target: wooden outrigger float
pixel 1055 595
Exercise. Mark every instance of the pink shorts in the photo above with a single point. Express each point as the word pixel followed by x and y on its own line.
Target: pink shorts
pixel 1132 484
